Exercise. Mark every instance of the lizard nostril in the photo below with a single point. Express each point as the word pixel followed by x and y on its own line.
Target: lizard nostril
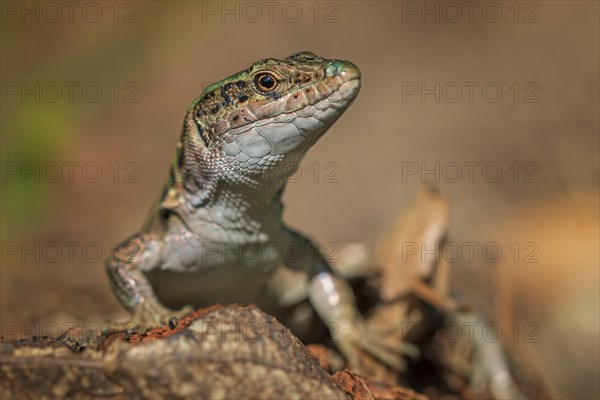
pixel 332 70
pixel 344 69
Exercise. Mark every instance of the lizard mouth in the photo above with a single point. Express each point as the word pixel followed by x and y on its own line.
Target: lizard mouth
pixel 329 109
pixel 348 90
pixel 346 76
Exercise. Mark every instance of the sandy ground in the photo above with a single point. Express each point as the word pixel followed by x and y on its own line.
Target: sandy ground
pixel 416 113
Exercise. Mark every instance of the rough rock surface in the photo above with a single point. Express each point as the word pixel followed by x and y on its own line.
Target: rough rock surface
pixel 220 352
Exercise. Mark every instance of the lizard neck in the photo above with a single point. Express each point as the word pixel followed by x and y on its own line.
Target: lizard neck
pixel 225 197
pixel 233 209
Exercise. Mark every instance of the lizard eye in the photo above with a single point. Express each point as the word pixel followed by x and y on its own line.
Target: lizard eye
pixel 265 82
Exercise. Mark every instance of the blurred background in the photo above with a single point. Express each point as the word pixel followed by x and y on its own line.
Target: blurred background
pixel 497 103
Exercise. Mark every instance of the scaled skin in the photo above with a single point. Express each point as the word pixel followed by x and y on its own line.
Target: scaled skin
pixel 216 234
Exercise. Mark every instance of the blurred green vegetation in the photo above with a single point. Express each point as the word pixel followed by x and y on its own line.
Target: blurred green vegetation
pixel 39 132
pixel 34 141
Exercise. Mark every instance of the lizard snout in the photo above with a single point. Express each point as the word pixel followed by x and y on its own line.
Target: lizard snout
pixel 344 69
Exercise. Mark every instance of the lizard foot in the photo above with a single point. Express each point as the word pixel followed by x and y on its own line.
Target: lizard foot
pixel 147 316
pixel 358 338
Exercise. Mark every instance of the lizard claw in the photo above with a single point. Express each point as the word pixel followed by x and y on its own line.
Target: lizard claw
pixel 334 302
pixel 145 317
pixel 358 338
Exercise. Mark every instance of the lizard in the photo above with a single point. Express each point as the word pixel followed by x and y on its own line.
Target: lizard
pixel 216 233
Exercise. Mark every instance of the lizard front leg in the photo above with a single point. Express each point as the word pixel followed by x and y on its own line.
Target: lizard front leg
pixel 333 300
pixel 132 287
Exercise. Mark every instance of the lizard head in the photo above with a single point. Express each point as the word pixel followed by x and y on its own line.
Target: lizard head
pixel 288 102
pixel 273 110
